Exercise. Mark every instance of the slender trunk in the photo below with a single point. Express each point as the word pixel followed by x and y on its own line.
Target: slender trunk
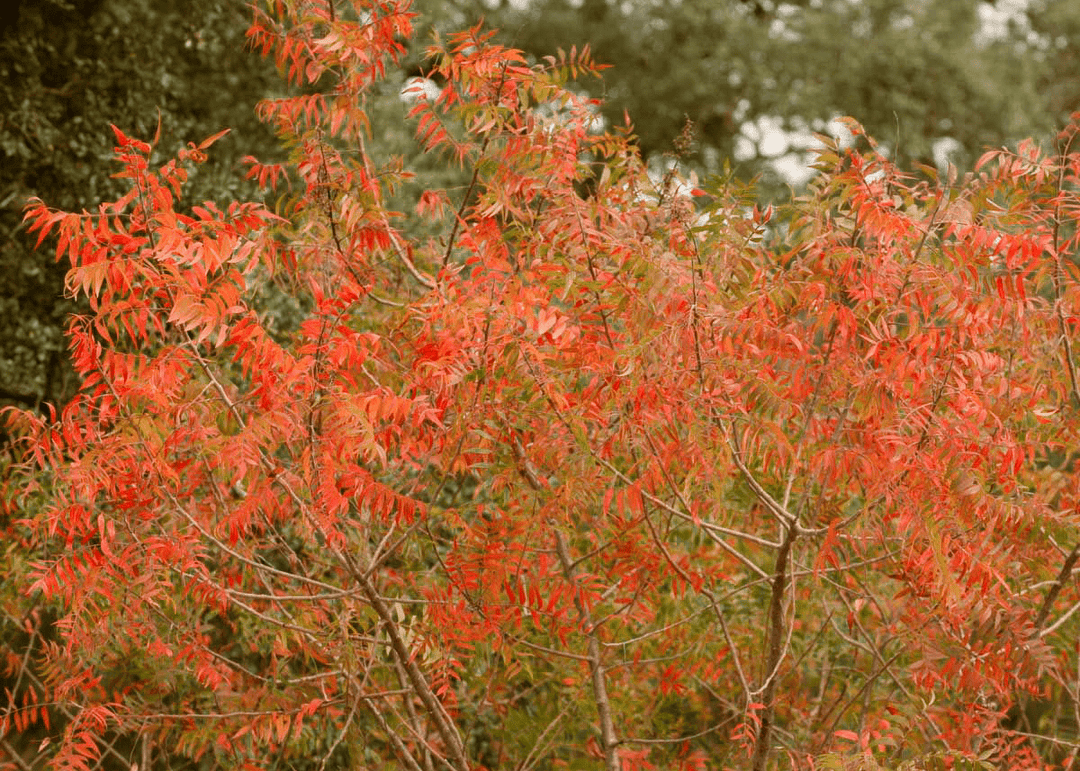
pixel 609 741
pixel 447 731
pixel 774 649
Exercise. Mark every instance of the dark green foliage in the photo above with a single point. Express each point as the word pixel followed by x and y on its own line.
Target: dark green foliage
pixel 69 68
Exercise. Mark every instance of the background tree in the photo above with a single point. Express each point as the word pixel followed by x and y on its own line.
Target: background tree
pixel 67 69
pixel 913 73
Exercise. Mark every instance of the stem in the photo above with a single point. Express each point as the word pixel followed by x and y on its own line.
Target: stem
pixel 774 649
pixel 1055 590
pixel 608 739
pixel 447 731
pixel 460 216
pixel 1059 278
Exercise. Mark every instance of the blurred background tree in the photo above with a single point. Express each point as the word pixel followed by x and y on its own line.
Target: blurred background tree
pixel 68 68
pixel 756 77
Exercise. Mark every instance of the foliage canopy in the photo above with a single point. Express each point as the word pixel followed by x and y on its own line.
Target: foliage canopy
pixel 565 467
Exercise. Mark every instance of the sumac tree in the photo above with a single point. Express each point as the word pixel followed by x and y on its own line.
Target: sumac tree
pixel 566 467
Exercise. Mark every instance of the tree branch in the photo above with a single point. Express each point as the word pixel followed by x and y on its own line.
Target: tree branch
pixel 773 651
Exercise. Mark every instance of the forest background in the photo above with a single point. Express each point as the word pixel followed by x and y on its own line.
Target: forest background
pixel 934 86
